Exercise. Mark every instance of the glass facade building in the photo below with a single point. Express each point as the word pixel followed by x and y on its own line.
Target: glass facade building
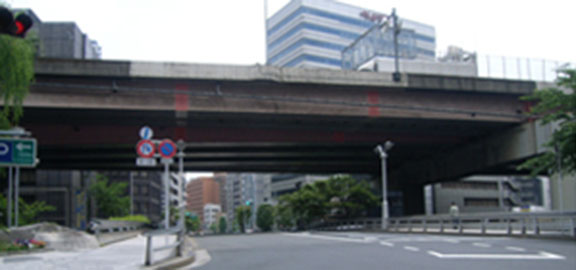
pixel 315 33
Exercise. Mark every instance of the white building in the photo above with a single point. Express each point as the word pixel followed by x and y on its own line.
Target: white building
pixel 314 33
pixel 211 214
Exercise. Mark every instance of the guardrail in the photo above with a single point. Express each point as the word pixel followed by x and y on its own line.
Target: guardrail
pixel 99 226
pixel 545 223
pixel 172 247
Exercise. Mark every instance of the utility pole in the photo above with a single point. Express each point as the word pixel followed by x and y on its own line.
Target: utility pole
pixel 382 150
pixel 396 28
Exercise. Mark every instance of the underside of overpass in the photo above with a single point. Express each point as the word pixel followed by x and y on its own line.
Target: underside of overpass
pixel 85 117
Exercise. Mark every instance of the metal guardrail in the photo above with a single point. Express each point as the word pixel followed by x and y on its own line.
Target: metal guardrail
pixel 545 223
pixel 99 226
pixel 175 248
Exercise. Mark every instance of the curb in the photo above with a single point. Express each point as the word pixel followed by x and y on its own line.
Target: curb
pixel 188 258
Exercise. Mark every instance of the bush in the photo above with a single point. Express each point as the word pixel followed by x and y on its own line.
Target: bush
pixel 265 217
pixel 138 218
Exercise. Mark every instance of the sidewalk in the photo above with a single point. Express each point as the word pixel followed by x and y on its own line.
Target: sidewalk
pixel 127 254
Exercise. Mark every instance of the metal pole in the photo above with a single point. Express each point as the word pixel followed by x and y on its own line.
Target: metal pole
pixel 396 75
pixel 16 196
pixel 166 195
pixel 9 210
pixel 131 193
pixel 560 177
pixel 383 157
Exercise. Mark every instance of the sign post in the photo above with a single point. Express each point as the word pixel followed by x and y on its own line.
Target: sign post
pixel 167 150
pixel 16 153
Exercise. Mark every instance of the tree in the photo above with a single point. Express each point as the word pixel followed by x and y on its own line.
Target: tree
pixel 243 214
pixel 222 225
pixel 557 107
pixel 110 199
pixel 16 75
pixel 284 216
pixel 265 217
pixel 193 223
pixel 339 196
pixel 28 212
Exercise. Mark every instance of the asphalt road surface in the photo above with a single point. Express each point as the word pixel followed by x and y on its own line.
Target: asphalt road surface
pixel 363 251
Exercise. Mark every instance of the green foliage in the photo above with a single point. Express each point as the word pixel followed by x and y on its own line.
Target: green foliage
pixel 109 198
pixel 193 224
pixel 339 196
pixel 558 107
pixel 214 228
pixel 284 217
pixel 16 75
pixel 265 217
pixel 243 214
pixel 137 218
pixel 223 225
pixel 28 212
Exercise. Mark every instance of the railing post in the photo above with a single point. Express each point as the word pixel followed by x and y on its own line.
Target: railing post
pixel 509 226
pixel 460 226
pixel 148 260
pixel 536 226
pixel 441 225
pixel 483 228
pixel 573 227
pixel 425 224
pixel 523 226
pixel 410 226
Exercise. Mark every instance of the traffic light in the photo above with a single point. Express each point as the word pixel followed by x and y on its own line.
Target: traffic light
pixel 14 26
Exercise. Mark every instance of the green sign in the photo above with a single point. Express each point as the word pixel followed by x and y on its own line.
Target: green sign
pixel 17 152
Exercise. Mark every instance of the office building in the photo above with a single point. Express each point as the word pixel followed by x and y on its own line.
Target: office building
pixel 314 33
pixel 62 39
pixel 211 214
pixel 246 189
pixel 200 192
pixel 478 194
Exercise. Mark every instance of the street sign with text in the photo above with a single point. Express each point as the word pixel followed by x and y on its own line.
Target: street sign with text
pixel 17 152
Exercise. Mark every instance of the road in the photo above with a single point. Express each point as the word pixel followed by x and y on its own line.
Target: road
pixel 382 251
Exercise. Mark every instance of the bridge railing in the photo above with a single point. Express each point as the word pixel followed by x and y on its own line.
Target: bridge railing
pixel 162 245
pixel 99 226
pixel 546 223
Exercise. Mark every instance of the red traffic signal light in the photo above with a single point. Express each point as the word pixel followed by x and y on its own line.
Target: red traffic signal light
pixel 14 27
pixel 22 23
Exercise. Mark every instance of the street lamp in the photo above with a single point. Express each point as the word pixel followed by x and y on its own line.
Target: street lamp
pixel 382 150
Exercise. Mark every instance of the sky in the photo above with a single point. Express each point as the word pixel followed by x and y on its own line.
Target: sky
pixel 232 31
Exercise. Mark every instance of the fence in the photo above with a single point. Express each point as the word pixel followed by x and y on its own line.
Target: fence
pixel 99 226
pixel 519 68
pixel 173 244
pixel 550 223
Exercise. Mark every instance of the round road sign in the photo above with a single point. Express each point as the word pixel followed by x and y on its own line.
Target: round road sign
pixel 167 149
pixel 145 148
pixel 146 133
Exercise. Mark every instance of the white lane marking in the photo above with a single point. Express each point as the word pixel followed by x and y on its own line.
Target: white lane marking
pixel 453 241
pixel 371 239
pixel 202 258
pixel 388 244
pixel 482 245
pixel 411 248
pixel 516 249
pixel 324 237
pixel 540 256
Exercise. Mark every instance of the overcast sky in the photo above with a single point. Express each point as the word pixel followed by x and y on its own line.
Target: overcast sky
pixel 232 31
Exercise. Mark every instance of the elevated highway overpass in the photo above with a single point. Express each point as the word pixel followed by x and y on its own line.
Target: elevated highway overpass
pixel 86 115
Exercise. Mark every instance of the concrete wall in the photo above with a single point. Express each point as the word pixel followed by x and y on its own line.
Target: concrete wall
pixel 382 64
pixel 563 194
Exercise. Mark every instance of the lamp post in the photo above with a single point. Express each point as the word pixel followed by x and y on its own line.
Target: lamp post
pixel 382 150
